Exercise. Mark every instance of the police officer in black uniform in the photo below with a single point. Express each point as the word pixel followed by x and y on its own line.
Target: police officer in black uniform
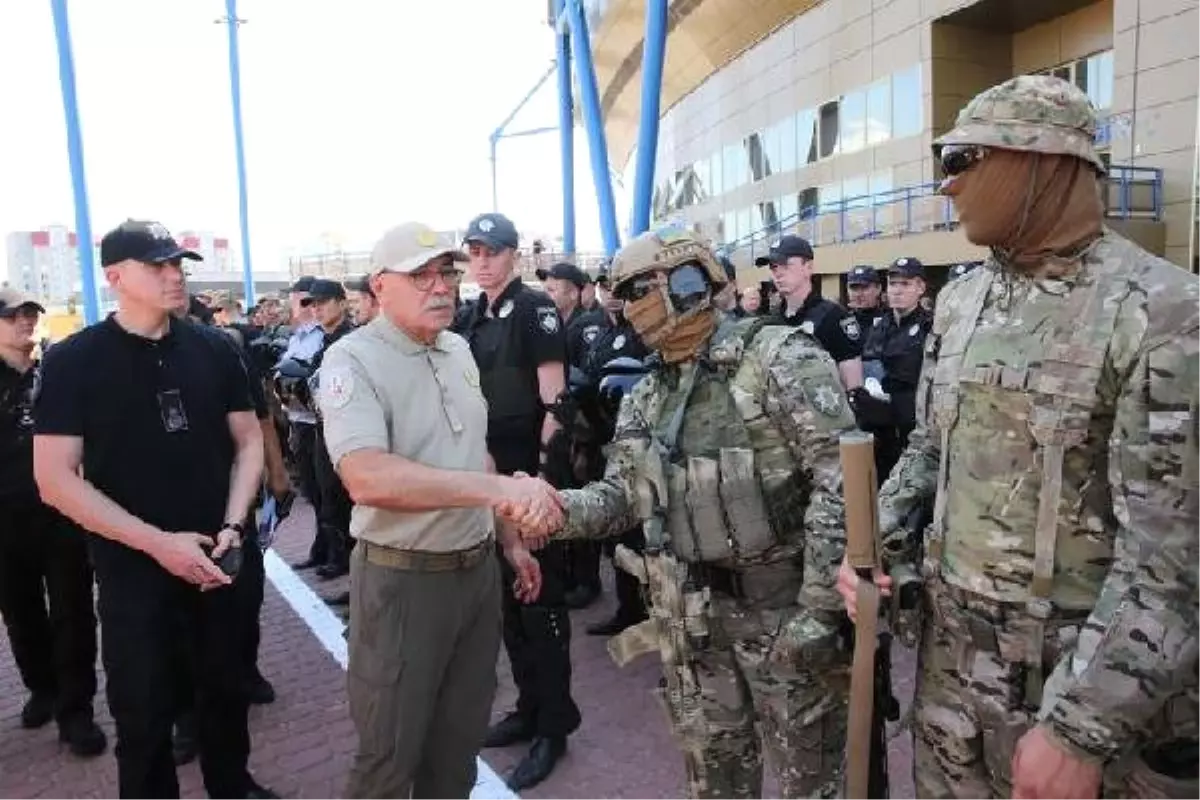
pixel 892 359
pixel 727 299
pixel 565 282
pixel 617 342
pixel 835 328
pixel 864 292
pixel 45 577
pixel 328 301
pixel 518 342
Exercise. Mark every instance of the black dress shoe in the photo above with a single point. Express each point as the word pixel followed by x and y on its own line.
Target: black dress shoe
pixel 308 563
pixel 38 710
pixel 537 765
pixel 82 736
pixel 328 572
pixel 581 597
pixel 260 691
pixel 612 627
pixel 510 730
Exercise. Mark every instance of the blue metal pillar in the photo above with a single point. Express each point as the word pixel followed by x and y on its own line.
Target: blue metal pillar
pixel 594 123
pixel 83 224
pixel 566 129
pixel 653 51
pixel 235 87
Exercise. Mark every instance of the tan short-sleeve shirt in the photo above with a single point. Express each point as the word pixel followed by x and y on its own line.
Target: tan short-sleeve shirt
pixel 380 389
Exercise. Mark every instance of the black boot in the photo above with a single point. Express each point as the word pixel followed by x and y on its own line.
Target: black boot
pixel 38 710
pixel 538 763
pixel 259 690
pixel 82 736
pixel 511 729
pixel 582 596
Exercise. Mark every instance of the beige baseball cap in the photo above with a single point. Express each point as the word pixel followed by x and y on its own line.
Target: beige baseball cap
pixel 408 247
pixel 13 300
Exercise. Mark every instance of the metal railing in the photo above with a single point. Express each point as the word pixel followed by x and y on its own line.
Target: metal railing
pixel 1128 193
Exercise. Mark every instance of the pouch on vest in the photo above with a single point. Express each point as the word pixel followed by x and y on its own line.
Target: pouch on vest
pixel 742 498
pixel 679 525
pixel 704 507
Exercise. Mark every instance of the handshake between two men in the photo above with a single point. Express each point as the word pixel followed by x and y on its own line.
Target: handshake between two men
pixel 528 511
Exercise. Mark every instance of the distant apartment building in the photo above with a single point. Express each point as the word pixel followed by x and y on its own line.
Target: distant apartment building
pixel 45 263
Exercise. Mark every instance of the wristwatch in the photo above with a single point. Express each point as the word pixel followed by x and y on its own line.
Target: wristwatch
pixel 235 526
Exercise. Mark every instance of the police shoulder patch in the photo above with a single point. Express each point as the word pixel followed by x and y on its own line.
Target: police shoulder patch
pixel 548 319
pixel 849 325
pixel 590 333
pixel 337 386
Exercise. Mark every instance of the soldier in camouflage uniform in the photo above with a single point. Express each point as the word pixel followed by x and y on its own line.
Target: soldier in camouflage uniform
pixel 727 453
pixel 1057 436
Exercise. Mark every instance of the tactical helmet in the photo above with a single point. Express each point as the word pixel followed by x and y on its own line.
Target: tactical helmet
pixel 1033 113
pixel 663 249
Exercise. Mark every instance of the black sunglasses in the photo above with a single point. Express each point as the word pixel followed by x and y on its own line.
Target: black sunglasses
pixel 958 158
pixel 685 280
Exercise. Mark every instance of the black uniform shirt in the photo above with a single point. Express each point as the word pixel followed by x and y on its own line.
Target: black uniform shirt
pixel 583 326
pixel 615 340
pixel 835 328
pixel 17 391
pixel 152 416
pixel 898 347
pixel 523 333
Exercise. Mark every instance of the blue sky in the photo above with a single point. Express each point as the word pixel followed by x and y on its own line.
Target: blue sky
pixel 358 114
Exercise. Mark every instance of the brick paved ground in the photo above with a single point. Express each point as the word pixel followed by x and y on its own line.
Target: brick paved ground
pixel 303 742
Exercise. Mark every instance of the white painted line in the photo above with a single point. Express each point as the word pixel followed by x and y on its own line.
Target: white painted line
pixel 328 628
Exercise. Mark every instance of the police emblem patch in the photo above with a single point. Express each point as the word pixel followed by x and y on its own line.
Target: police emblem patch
pixel 486 225
pixel 914 329
pixel 506 309
pixel 618 342
pixel 337 387
pixel 826 400
pixel 548 319
pixel 590 333
pixel 850 327
pixel 807 327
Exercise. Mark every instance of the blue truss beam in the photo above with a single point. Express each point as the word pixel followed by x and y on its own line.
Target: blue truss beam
pixel 653 52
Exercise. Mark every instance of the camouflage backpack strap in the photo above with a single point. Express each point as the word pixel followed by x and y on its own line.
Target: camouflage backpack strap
pixel 1065 392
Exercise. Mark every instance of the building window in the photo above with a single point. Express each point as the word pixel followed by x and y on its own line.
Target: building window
pixel 879 112
pixel 808 202
pixel 703 180
pixel 907 104
pixel 806 136
pixel 785 132
pixel 734 166
pixel 1093 75
pixel 828 128
pixel 715 175
pixel 788 208
pixel 759 168
pixel 852 122
pixel 856 192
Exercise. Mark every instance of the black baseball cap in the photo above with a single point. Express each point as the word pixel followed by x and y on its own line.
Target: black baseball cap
pixel 566 272
pixel 325 289
pixel 862 275
pixel 907 268
pixel 494 230
pixel 303 284
pixel 958 270
pixel 13 300
pixel 787 247
pixel 358 283
pixel 142 240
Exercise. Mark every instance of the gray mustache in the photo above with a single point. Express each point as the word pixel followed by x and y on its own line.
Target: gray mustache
pixel 438 305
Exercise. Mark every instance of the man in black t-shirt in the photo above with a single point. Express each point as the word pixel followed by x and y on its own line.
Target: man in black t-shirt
pixel 45 578
pixel 159 417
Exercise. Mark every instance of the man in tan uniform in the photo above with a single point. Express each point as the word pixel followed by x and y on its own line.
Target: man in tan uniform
pixel 405 423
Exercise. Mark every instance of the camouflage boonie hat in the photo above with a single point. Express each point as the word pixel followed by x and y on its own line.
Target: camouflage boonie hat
pixel 1035 113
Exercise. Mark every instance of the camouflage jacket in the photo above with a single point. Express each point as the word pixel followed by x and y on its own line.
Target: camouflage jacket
pixel 1104 366
pixel 787 390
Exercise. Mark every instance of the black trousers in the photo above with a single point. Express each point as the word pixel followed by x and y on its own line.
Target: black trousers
pixel 46 596
pixel 631 598
pixel 537 636
pixel 304 450
pixel 333 515
pixel 161 633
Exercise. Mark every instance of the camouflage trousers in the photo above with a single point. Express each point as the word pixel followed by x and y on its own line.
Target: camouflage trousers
pixel 748 704
pixel 972 706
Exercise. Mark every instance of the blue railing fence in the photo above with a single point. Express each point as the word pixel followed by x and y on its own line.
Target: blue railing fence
pixel 1128 192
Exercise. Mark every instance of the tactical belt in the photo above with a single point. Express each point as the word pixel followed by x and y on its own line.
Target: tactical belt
pixel 425 561
pixel 751 583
